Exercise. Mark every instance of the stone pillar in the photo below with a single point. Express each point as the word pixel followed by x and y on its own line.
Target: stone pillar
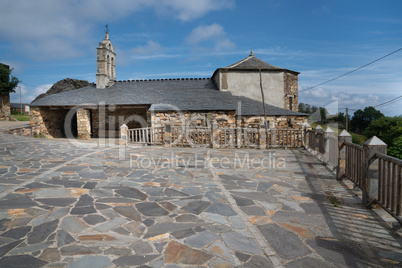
pixel 263 137
pixel 273 137
pixel 238 134
pixel 343 137
pixel 370 169
pixel 327 133
pixel 84 124
pixel 168 134
pixel 5 111
pixel 307 127
pixel 124 134
pixel 318 136
pixel 215 135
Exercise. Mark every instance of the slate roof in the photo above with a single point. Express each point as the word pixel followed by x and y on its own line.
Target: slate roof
pixel 254 63
pixel 18 105
pixel 163 95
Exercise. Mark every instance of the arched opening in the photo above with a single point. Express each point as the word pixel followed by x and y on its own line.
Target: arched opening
pixel 108 66
pixel 113 68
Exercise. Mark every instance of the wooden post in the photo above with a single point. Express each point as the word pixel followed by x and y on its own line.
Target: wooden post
pixel 124 134
pixel 341 169
pixel 262 137
pixel 370 169
pixel 168 135
pixel 327 133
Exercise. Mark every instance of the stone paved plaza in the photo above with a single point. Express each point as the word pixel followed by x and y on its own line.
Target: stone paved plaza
pixel 91 205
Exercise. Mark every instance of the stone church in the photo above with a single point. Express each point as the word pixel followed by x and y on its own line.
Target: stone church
pixel 232 97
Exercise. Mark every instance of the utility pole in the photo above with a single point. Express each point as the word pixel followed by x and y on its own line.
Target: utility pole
pixel 347 119
pixel 20 100
pixel 265 114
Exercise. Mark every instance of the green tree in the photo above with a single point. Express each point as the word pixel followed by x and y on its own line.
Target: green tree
pixel 386 128
pixel 362 118
pixel 323 115
pixel 304 108
pixel 396 149
pixel 7 82
pixel 314 109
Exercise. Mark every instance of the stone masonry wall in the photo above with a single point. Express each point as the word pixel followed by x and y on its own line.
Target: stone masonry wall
pixel 226 119
pixel 202 119
pixel 291 91
pixel 84 124
pixel 106 121
pixel 49 122
pixel 5 110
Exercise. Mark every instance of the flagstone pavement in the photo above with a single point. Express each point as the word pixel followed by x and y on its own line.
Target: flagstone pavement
pixel 90 205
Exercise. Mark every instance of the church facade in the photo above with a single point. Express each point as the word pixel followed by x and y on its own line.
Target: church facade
pixel 232 97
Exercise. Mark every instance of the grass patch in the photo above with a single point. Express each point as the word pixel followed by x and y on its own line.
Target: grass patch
pixel 22 117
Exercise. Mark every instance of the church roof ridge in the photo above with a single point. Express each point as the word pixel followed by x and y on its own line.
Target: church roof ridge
pixel 254 63
pixel 162 79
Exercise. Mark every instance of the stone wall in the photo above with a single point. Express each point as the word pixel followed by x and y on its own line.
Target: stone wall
pixel 275 122
pixel 246 83
pixel 84 124
pixel 203 119
pixel 225 119
pixel 5 109
pixel 50 122
pixel 291 89
pixel 106 121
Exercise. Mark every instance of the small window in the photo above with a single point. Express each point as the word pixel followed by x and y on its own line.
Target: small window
pixel 291 103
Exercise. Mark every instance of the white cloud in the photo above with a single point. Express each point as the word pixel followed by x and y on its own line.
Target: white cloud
pixel 205 33
pixel 213 33
pixel 149 49
pixel 47 30
pixel 186 10
pixel 321 98
pixel 27 94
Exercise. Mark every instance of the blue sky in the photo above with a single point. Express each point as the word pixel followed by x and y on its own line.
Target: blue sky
pixel 46 41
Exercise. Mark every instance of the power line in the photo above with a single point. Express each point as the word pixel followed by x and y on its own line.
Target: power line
pixel 387 102
pixel 354 70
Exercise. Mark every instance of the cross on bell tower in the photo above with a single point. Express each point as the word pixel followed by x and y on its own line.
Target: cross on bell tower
pixel 106 32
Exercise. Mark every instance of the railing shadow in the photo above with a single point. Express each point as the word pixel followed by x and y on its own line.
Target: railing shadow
pixel 361 230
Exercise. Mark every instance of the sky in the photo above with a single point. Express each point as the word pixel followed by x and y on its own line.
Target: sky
pixel 49 40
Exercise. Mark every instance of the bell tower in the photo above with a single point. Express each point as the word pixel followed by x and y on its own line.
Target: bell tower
pixel 106 61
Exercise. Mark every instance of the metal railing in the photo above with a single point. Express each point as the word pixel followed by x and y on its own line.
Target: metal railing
pixel 217 137
pixel 190 136
pixel 286 137
pixel 148 135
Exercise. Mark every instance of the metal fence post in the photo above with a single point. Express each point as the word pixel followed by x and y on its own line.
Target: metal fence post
pixel 370 169
pixel 341 169
pixel 124 134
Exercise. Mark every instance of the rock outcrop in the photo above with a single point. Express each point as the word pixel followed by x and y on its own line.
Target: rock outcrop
pixel 64 85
